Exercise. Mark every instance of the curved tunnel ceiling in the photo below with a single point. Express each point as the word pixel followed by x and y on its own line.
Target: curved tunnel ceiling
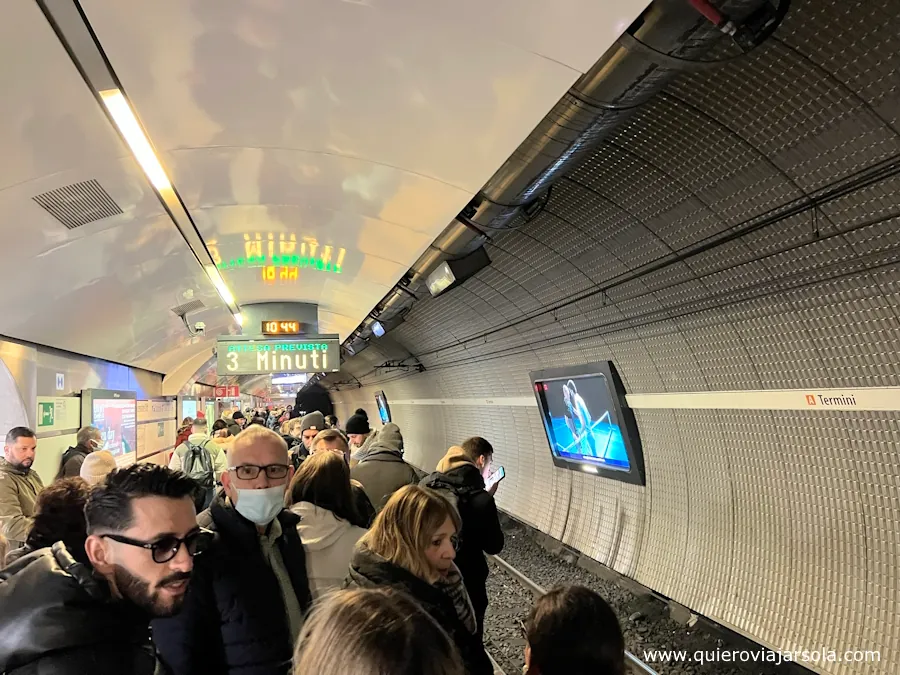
pixel 773 176
pixel 319 147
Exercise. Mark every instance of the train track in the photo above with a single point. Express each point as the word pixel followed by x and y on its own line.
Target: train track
pixel 634 665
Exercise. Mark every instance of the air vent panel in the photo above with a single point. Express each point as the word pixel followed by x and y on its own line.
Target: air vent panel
pixel 192 306
pixel 78 204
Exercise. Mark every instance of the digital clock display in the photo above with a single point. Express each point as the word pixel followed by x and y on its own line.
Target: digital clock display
pixel 272 327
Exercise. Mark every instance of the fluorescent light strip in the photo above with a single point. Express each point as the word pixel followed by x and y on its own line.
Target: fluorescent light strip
pixel 75 33
pixel 137 140
pixel 125 119
pixel 224 292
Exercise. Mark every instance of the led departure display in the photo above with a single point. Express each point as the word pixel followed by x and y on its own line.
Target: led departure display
pixel 275 327
pixel 261 356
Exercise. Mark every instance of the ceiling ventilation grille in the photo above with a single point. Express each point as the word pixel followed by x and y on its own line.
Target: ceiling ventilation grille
pixel 78 204
pixel 192 306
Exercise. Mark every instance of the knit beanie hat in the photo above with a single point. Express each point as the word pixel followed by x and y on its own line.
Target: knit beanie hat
pixel 315 420
pixel 362 413
pixel 97 465
pixel 238 415
pixel 358 424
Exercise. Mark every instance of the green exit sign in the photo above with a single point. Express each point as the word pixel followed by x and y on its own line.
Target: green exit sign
pixel 45 414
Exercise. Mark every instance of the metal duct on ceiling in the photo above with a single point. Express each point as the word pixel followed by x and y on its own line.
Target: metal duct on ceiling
pixel 669 37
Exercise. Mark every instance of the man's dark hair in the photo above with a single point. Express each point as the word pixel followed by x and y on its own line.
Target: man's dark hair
pixel 16 433
pixel 476 447
pixel 218 425
pixel 109 506
pixel 572 631
pixel 257 420
pixel 59 516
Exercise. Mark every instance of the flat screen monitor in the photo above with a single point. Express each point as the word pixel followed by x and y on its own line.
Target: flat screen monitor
pixel 189 408
pixel 588 423
pixel 115 414
pixel 384 410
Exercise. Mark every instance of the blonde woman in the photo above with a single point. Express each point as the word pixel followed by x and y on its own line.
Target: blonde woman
pixel 411 548
pixel 373 632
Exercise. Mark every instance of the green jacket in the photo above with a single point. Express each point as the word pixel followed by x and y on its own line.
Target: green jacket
pixel 18 492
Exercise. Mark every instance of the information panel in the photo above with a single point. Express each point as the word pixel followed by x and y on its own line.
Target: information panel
pixel 263 356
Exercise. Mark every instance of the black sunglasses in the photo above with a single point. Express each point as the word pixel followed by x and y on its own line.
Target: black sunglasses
pixel 163 550
pixel 251 471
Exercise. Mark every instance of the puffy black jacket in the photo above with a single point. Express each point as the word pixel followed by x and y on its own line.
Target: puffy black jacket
pixel 57 617
pixel 368 570
pixel 71 461
pixel 481 532
pixel 233 620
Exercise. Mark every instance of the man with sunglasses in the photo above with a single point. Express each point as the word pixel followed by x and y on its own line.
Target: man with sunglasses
pixel 60 616
pixel 249 593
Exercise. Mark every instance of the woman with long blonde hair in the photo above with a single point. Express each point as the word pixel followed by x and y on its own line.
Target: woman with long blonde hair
pixel 410 548
pixel 373 632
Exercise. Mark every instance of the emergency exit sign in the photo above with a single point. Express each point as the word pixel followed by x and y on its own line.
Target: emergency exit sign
pixel 45 414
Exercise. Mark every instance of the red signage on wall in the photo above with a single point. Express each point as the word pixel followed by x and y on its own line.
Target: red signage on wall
pixel 228 392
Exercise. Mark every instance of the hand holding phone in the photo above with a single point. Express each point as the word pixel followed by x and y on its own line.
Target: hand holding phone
pixel 494 479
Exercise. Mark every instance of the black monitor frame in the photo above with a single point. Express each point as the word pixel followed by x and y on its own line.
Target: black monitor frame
pixel 387 407
pixel 632 440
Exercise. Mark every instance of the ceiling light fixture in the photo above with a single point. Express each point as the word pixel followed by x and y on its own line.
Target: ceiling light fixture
pixel 451 273
pixel 224 292
pixel 134 135
pixel 77 36
pixel 239 319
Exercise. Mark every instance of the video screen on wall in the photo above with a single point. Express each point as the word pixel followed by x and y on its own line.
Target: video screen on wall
pixel 588 424
pixel 384 410
pixel 188 408
pixel 117 421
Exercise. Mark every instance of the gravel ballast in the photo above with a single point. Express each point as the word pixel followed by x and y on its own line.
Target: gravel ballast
pixel 645 619
pixel 510 604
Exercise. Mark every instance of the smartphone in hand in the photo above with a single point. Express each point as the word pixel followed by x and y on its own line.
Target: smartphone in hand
pixel 495 478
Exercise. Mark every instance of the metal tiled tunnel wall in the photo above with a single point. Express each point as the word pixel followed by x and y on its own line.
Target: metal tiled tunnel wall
pixel 740 232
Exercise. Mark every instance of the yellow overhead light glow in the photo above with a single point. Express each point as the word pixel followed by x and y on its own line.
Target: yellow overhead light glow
pixel 239 319
pixel 124 118
pixel 216 278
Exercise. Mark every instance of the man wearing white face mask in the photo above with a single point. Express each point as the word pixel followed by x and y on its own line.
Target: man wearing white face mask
pixel 246 603
pixel 87 441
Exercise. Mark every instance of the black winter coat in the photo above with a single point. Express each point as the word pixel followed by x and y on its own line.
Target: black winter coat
pixel 233 620
pixel 481 532
pixel 57 617
pixel 368 570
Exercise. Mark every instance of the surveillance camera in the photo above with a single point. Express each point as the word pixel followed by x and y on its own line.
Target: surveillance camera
pixel 200 327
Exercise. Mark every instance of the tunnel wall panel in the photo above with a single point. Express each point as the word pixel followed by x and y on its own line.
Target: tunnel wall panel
pixel 33 372
pixel 738 233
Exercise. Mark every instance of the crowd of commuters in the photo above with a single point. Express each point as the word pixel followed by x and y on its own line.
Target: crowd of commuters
pixel 274 542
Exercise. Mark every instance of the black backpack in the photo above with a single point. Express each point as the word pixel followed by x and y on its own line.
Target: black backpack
pixel 67 455
pixel 457 495
pixel 197 463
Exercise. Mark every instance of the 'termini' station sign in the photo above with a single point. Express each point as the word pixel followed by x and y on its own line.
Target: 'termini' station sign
pixel 815 400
